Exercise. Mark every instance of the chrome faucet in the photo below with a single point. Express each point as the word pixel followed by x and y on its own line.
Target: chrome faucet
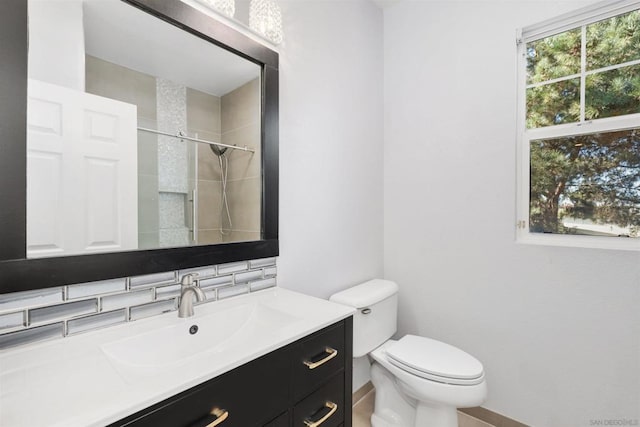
pixel 188 290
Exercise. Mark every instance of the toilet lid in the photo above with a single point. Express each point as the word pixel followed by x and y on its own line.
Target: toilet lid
pixel 432 359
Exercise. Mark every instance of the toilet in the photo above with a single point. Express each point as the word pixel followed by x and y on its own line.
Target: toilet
pixel 419 382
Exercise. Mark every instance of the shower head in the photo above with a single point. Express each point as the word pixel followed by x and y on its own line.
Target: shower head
pixel 218 151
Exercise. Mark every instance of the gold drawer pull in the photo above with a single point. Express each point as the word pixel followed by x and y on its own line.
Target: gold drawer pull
pixel 221 414
pixel 332 409
pixel 331 353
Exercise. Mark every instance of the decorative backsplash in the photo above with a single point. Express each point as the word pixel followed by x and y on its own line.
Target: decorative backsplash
pixel 58 312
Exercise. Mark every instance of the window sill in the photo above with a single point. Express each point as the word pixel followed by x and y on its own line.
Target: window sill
pixel 576 241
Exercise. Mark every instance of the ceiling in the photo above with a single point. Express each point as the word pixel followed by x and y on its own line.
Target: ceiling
pixel 119 33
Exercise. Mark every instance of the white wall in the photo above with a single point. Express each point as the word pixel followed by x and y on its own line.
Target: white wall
pixel 331 144
pixel 558 329
pixel 56 42
pixel 331 137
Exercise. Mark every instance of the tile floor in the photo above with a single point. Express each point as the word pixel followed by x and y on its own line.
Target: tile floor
pixel 363 409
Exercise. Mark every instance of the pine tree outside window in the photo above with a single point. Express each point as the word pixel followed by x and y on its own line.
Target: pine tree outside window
pixel 579 129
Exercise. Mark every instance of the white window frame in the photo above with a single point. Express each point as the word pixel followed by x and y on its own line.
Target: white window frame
pixel 560 24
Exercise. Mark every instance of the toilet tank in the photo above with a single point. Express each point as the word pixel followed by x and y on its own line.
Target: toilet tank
pixel 376 319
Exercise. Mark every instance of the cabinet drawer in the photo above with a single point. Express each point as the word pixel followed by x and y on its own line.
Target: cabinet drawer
pixel 251 395
pixel 320 404
pixel 281 421
pixel 314 360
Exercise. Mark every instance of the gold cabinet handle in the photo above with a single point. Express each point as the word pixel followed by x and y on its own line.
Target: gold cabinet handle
pixel 331 353
pixel 332 409
pixel 221 414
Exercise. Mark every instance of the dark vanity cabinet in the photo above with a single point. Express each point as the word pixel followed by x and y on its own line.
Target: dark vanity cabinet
pixel 304 384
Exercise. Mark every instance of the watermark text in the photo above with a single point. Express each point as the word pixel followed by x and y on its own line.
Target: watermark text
pixel 627 422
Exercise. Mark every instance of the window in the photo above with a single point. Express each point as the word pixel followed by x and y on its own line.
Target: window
pixel 579 128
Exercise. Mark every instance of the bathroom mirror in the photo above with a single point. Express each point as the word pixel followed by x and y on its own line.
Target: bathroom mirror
pixel 136 142
pixel 149 141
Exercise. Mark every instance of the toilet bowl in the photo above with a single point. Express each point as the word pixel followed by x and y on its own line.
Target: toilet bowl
pixel 419 382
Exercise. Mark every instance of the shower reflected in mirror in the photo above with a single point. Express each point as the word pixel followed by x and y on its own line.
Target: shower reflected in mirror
pixel 224 204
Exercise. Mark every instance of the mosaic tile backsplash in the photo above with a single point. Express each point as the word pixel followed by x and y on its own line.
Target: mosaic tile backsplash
pixel 58 312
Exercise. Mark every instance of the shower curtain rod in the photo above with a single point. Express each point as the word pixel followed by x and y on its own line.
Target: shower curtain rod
pixel 178 135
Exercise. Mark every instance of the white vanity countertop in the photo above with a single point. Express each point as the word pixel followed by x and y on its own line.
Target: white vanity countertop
pixel 74 382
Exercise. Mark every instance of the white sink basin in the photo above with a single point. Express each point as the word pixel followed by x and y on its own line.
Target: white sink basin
pixel 138 364
pixel 176 344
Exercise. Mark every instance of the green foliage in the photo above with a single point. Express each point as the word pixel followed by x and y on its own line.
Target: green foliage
pixel 613 41
pixel 596 176
pixel 553 57
pixel 553 104
pixel 607 93
pixel 613 93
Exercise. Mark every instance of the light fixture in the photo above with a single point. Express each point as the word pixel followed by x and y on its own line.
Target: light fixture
pixel 265 18
pixel 225 7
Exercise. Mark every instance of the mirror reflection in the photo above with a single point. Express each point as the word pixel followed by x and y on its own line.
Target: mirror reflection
pixel 139 134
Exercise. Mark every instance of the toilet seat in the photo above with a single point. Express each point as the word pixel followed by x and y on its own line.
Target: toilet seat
pixel 434 360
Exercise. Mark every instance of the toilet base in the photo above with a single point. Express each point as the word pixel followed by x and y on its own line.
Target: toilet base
pixel 391 407
pixel 433 415
pixel 394 408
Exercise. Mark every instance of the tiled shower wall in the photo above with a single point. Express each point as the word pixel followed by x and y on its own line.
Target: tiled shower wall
pixel 233 119
pixel 68 310
pixel 173 163
pixel 240 125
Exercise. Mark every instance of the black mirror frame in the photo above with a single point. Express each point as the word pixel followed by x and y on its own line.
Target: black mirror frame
pixel 17 273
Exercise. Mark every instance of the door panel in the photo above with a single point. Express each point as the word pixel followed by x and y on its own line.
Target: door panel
pixel 82 180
